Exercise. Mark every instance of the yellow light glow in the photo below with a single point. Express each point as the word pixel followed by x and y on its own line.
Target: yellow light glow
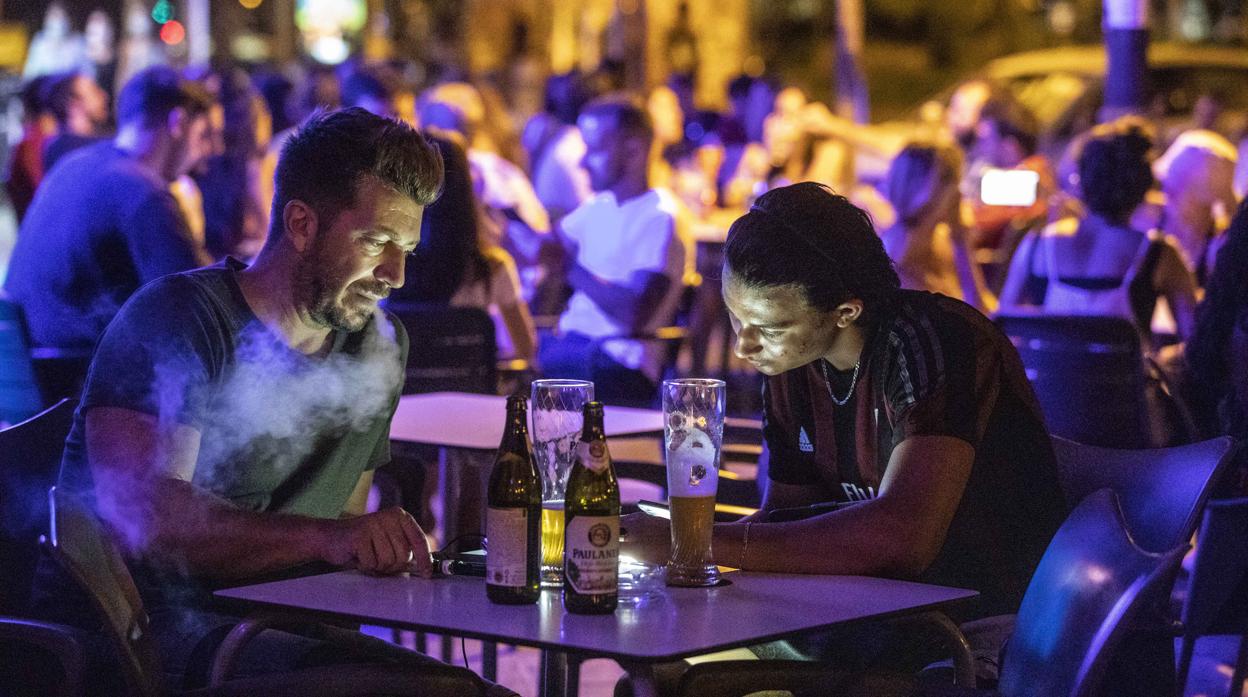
pixel 250 4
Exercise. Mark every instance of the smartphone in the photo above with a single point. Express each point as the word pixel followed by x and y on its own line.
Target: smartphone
pixel 658 510
pixel 1008 187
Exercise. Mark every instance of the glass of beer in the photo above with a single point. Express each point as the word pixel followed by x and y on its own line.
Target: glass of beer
pixel 693 412
pixel 555 409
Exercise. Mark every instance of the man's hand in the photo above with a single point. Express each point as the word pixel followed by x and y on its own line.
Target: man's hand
pixel 645 538
pixel 384 542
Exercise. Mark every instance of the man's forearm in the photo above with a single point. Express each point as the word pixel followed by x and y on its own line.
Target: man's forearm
pixel 192 530
pixel 617 301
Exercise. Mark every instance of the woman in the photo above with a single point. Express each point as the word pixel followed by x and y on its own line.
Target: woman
pixel 456 265
pixel 928 241
pixel 1100 265
pixel 236 195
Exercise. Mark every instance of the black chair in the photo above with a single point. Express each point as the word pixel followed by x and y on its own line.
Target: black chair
pixel 1163 491
pixel 20 397
pixel 1088 374
pixel 1217 592
pixel 453 349
pixel 1089 587
pixel 79 544
pixel 30 458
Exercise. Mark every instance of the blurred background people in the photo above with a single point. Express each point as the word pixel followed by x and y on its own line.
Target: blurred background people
pixel 1196 174
pixel 627 260
pixel 927 243
pixel 501 185
pixel 1217 354
pixel 458 265
pixel 26 161
pixel 56 47
pixel 104 222
pixel 80 108
pixel 235 193
pixel 1099 264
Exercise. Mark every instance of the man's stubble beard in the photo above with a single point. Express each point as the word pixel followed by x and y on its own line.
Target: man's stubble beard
pixel 320 290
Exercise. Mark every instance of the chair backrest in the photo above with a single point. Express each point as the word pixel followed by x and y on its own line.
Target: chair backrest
pixel 30 458
pixel 452 349
pixel 19 390
pixel 1162 491
pixel 1088 375
pixel 1090 585
pixel 79 543
pixel 1217 592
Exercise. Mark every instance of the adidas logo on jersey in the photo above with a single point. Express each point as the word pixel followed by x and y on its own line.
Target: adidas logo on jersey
pixel 803 442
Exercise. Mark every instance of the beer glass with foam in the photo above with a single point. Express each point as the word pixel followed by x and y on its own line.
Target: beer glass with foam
pixel 693 411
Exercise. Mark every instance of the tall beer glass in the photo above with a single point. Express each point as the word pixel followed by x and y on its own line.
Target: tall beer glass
pixel 693 412
pixel 557 420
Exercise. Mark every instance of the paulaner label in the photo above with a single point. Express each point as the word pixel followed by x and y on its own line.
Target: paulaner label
pixel 593 455
pixel 592 554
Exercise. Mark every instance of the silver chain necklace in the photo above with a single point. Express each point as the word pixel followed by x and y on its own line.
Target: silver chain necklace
pixel 827 381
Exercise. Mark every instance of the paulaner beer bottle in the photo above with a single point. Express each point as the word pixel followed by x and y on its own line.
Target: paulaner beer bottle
pixel 513 515
pixel 591 549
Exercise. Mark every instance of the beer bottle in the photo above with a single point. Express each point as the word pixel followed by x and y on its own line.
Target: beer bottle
pixel 591 549
pixel 513 515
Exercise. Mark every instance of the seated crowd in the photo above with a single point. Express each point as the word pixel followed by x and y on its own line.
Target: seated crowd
pixel 222 262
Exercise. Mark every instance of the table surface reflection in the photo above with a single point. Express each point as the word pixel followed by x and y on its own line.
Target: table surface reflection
pixel 673 623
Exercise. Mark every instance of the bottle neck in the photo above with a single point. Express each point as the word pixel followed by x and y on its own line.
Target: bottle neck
pixel 593 428
pixel 516 437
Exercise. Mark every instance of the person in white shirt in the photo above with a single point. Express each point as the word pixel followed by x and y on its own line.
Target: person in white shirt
pixel 627 257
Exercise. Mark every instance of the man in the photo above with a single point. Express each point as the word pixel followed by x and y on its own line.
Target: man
pixel 234 415
pixel 26 163
pixel 910 409
pixel 628 256
pixel 81 109
pixel 104 223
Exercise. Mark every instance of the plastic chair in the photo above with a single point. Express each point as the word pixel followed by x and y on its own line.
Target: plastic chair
pixel 1092 582
pixel 1088 374
pixel 19 389
pixel 1163 491
pixel 452 349
pixel 1217 592
pixel 30 458
pixel 79 544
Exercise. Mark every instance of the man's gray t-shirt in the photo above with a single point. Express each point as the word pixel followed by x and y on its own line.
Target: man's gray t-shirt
pixel 280 431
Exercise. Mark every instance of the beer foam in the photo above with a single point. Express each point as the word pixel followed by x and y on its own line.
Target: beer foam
pixel 690 463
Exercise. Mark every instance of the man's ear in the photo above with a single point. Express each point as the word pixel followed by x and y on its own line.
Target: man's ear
pixel 178 122
pixel 300 223
pixel 848 312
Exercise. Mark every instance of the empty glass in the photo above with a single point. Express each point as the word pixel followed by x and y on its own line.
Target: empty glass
pixel 557 420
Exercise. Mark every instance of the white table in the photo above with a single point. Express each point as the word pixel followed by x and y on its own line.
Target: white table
pixel 680 622
pixel 475 421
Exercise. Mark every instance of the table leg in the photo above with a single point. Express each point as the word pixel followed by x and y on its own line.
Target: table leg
pixel 489 661
pixel 552 680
